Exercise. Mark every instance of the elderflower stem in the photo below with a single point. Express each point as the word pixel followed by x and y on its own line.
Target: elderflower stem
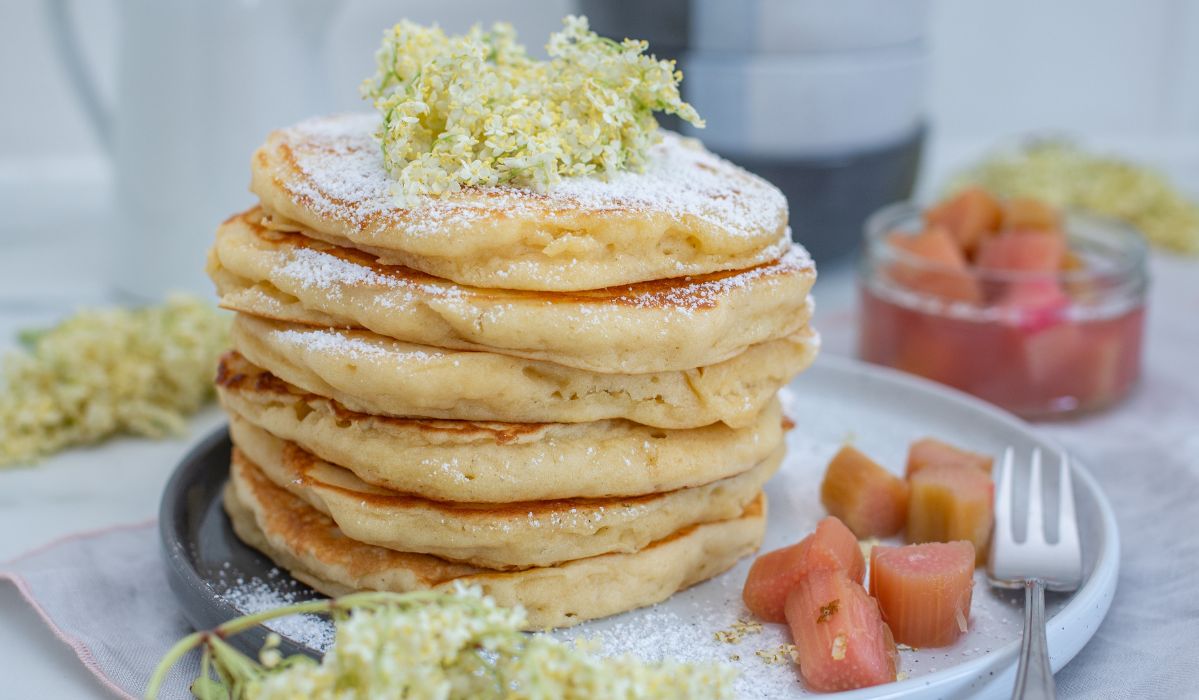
pixel 428 643
pixel 172 657
pixel 344 604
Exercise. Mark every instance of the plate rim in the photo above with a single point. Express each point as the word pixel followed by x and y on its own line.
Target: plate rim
pixel 197 598
pixel 1098 590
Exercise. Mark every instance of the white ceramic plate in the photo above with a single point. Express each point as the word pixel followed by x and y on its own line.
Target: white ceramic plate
pixel 881 411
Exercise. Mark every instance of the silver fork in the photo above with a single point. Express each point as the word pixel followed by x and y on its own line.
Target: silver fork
pixel 1035 565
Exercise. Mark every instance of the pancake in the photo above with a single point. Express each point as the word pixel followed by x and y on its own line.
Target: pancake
pixel 370 373
pixel 649 327
pixel 502 536
pixel 496 462
pixel 308 544
pixel 689 213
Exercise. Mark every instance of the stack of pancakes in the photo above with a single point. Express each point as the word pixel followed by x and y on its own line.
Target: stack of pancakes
pixel 567 398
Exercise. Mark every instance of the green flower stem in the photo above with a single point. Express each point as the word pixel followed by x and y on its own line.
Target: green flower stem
pixel 333 606
pixel 172 657
pixel 458 641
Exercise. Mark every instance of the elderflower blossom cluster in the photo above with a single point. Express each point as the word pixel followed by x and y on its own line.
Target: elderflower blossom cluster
pixel 1064 175
pixel 103 372
pixel 475 110
pixel 465 646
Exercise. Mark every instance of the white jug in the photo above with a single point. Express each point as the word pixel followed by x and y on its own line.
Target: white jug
pixel 199 85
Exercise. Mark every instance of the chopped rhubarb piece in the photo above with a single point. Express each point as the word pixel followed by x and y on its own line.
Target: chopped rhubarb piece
pixel 1073 361
pixel 831 547
pixel 1041 300
pixel 934 244
pixel 839 634
pixel 1020 250
pixel 929 451
pixel 969 216
pixel 950 502
pixel 924 590
pixel 1029 213
pixel 940 270
pixel 870 500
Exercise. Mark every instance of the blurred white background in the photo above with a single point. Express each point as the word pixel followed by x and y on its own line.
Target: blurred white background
pixel 1102 68
pixel 1118 76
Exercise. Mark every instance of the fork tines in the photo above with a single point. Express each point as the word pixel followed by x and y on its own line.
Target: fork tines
pixel 1059 563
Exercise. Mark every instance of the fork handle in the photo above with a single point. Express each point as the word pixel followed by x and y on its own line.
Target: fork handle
pixel 1034 675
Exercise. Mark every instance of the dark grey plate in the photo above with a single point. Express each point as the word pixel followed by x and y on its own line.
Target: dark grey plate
pixel 205 559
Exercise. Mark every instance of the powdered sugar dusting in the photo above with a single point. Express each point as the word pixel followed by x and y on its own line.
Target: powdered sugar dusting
pixel 344 178
pixel 254 595
pixel 708 293
pixel 346 344
pixel 329 273
pixel 688 631
pixel 314 268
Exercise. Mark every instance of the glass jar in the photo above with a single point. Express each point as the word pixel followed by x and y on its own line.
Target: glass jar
pixel 1040 344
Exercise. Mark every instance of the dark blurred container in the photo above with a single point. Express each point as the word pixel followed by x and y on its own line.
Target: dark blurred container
pixel 823 98
pixel 831 196
pixel 665 24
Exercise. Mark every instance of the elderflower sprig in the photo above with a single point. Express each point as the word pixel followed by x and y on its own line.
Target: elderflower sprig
pixel 429 644
pixel 1065 175
pixel 475 110
pixel 107 371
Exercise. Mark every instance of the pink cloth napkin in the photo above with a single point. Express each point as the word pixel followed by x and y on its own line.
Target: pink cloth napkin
pixel 105 594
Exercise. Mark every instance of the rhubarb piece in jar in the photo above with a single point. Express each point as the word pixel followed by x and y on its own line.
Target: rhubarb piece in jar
pixel 970 216
pixel 1038 303
pixel 1070 360
pixel 1031 214
pixel 950 503
pixel 839 634
pixel 1026 251
pixel 870 500
pixel 831 547
pixel 1021 250
pixel 933 264
pixel 924 590
pixel 928 451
